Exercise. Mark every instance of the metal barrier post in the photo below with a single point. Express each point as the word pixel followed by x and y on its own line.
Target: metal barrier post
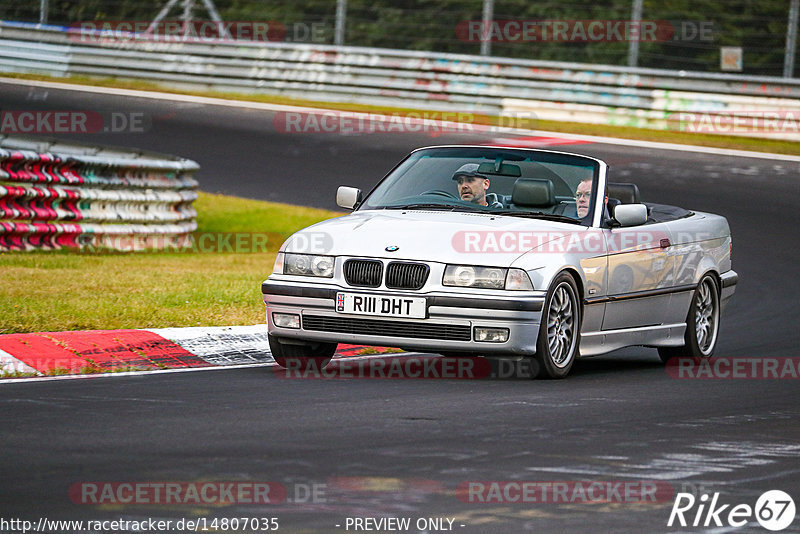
pixel 486 24
pixel 633 44
pixel 791 40
pixel 43 9
pixel 341 18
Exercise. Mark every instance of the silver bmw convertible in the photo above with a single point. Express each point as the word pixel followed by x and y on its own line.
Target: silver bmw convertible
pixel 502 253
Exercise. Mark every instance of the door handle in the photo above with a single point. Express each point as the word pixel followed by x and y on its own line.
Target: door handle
pixel 665 243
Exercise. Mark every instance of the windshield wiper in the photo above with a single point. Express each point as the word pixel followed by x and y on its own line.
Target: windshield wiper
pixel 448 207
pixel 536 215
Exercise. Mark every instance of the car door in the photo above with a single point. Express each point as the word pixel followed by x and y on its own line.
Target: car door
pixel 640 276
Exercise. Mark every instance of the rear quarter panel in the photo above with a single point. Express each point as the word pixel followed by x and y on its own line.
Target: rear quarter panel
pixel 700 244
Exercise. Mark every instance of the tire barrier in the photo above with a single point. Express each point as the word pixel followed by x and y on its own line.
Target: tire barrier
pixel 55 196
pixel 514 88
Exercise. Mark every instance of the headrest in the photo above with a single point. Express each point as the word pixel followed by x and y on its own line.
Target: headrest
pixel 626 193
pixel 533 192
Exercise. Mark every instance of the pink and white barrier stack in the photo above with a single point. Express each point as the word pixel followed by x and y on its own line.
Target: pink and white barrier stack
pixel 55 196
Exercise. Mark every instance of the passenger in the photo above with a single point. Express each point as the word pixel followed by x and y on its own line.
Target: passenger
pixel 583 195
pixel 472 186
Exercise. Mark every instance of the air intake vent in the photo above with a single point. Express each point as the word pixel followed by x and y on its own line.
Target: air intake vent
pixel 363 273
pixel 406 275
pixel 372 327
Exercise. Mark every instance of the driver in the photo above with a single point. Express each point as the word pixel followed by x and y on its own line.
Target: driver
pixel 583 196
pixel 472 186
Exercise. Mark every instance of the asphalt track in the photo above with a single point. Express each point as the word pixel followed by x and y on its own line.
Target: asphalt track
pixel 401 448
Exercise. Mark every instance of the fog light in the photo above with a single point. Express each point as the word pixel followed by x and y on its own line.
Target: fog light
pixel 286 320
pixel 491 335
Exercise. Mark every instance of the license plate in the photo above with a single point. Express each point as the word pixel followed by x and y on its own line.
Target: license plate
pixel 359 303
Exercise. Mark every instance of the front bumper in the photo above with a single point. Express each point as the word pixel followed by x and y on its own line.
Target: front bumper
pixel 448 327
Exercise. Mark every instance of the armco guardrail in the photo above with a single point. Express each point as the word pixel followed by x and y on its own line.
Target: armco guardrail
pixel 586 93
pixel 55 195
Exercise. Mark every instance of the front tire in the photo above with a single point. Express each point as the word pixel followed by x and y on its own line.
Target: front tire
pixel 702 324
pixel 305 356
pixel 560 330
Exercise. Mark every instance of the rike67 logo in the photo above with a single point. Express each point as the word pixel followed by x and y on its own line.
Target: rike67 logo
pixel 774 510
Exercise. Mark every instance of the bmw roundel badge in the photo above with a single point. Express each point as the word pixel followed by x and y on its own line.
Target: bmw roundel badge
pixel 392 248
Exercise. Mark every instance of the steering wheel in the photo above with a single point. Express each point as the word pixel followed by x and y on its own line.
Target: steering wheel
pixel 438 193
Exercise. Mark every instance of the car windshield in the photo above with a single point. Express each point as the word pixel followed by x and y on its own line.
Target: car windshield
pixel 514 182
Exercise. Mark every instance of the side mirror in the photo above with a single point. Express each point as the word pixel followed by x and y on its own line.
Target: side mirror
pixel 630 214
pixel 348 197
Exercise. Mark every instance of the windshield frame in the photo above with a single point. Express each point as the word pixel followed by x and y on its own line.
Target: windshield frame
pixel 599 168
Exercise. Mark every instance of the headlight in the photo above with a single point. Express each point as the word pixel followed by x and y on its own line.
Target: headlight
pixel 468 276
pixel 486 278
pixel 307 265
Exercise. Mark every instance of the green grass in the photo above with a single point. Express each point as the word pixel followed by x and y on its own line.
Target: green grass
pixel 775 146
pixel 220 213
pixel 17 374
pixel 91 368
pixel 374 350
pixel 54 291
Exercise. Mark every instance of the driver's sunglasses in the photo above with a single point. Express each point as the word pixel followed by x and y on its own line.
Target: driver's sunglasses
pixel 584 195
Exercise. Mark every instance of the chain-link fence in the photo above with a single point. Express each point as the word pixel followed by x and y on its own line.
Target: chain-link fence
pixel 747 36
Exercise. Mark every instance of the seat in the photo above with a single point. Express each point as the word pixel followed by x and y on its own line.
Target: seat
pixel 534 193
pixel 621 193
pixel 625 193
pixel 494 201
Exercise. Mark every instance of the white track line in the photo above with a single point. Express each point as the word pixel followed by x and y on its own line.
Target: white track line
pixel 186 369
pixel 131 373
pixel 155 95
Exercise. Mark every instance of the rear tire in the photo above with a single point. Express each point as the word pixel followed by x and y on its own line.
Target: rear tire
pixel 305 356
pixel 560 330
pixel 702 324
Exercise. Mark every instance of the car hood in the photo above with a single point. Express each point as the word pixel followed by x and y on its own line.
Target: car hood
pixel 443 236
